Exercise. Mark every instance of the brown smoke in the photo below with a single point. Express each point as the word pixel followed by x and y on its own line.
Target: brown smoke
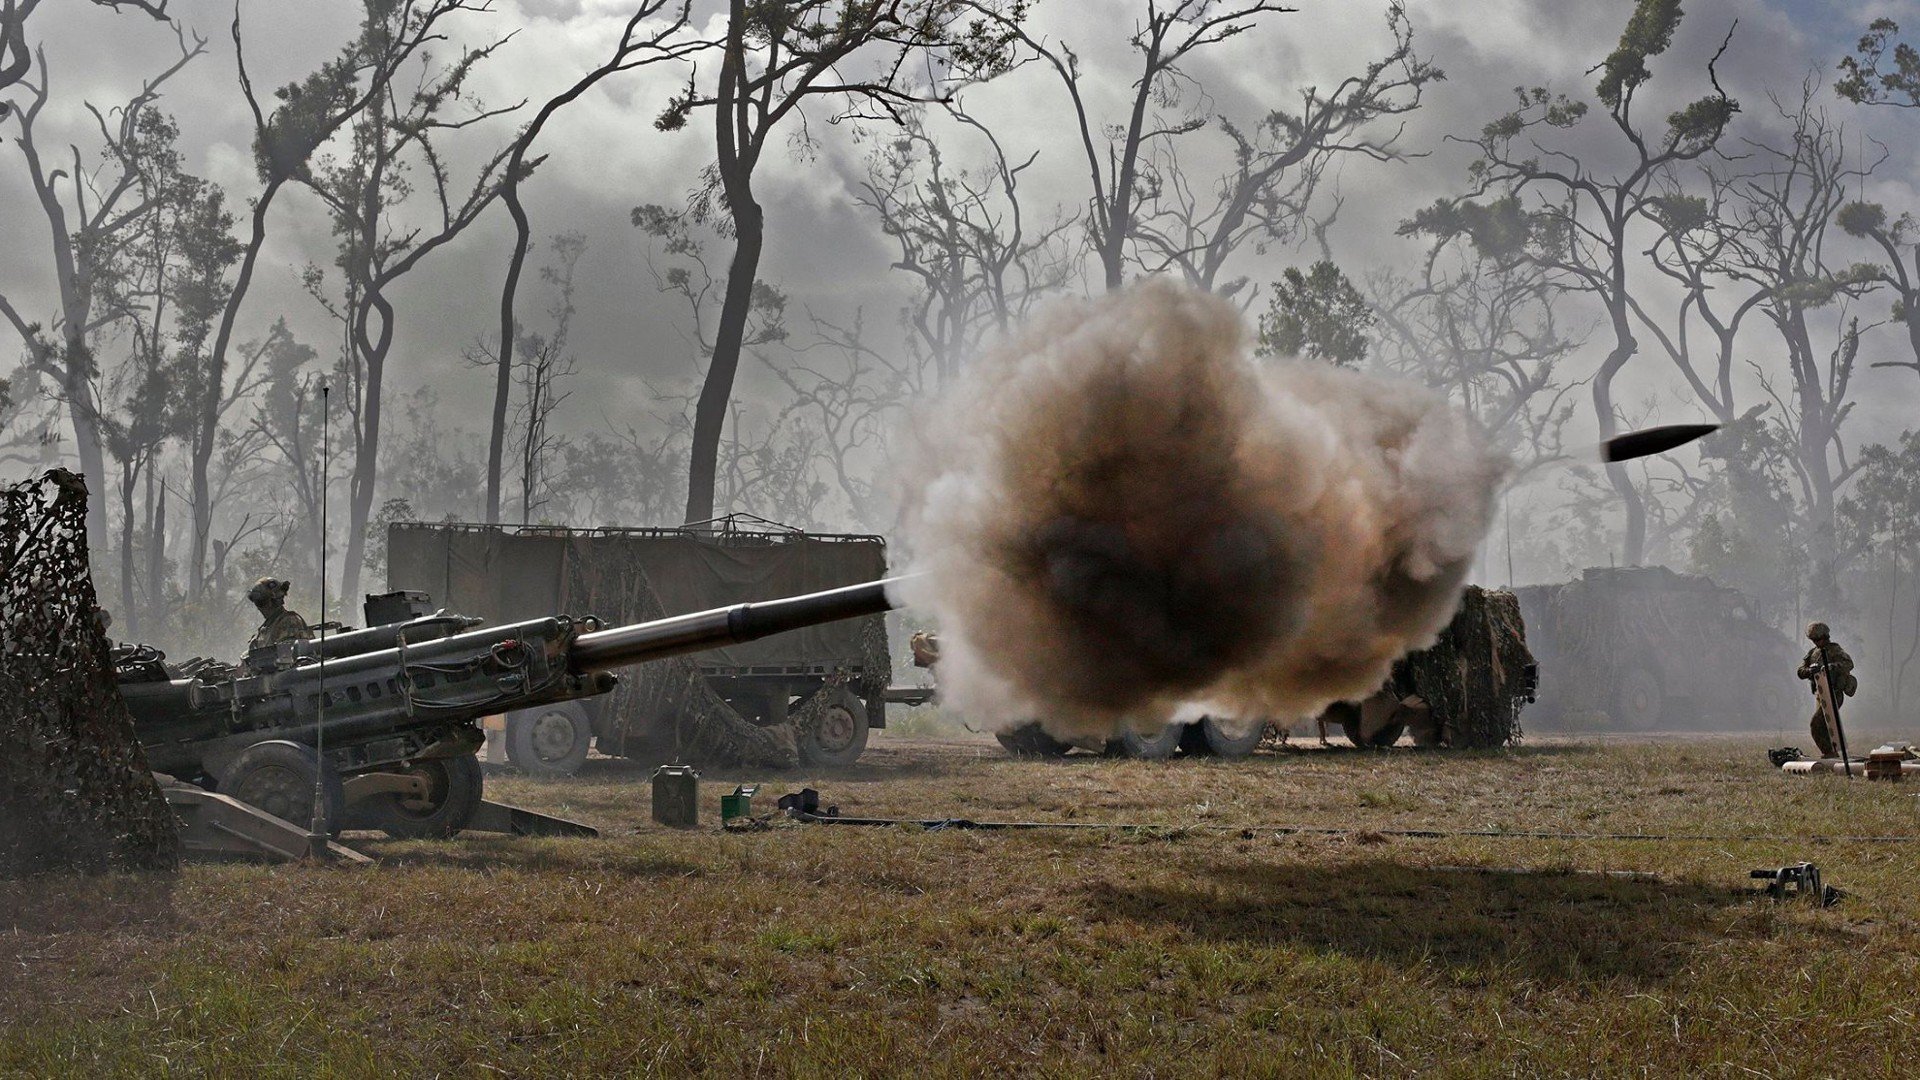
pixel 1120 516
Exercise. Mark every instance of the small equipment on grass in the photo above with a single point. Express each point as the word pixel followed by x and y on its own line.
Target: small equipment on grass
pixel 1798 881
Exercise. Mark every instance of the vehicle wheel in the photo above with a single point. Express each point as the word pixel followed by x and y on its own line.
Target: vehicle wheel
pixel 550 740
pixel 1376 722
pixel 837 734
pixel 1379 738
pixel 1639 703
pixel 1424 726
pixel 278 777
pixel 1150 747
pixel 1342 714
pixel 1226 742
pixel 1771 702
pixel 453 794
pixel 1030 740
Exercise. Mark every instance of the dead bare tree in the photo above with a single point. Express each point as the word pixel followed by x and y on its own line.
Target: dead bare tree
pixel 963 236
pixel 1789 206
pixel 16 59
pixel 1278 162
pixel 1697 234
pixel 1485 328
pixel 640 45
pixel 309 114
pixel 91 212
pixel 854 57
pixel 1591 216
pixel 364 193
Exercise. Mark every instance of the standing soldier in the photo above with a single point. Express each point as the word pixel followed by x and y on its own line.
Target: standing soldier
pixel 1839 668
pixel 277 623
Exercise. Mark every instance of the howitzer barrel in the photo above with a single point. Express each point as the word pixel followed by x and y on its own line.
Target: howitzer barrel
pixel 623 645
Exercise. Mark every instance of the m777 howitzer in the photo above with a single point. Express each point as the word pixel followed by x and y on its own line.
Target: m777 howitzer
pixel 384 722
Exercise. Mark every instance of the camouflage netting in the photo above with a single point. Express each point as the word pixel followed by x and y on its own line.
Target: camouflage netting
pixel 672 691
pixel 75 791
pixel 1476 701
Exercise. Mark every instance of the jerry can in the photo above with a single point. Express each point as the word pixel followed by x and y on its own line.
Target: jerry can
pixel 676 796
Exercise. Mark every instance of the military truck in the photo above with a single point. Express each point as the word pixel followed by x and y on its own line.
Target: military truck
pixel 834 675
pixel 1635 648
pixel 1466 690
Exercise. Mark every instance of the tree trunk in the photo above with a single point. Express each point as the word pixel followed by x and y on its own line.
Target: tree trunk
pixel 735 154
pixel 201 494
pixel 710 415
pixel 129 611
pixel 1635 541
pixel 156 545
pixel 366 459
pixel 86 436
pixel 503 368
pixel 1113 247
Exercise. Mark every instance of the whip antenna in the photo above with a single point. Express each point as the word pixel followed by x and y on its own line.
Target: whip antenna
pixel 317 830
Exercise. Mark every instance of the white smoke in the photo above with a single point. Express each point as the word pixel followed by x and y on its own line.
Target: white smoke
pixel 1119 514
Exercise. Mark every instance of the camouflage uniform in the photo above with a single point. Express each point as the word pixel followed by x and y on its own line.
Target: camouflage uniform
pixel 283 626
pixel 277 623
pixel 1839 677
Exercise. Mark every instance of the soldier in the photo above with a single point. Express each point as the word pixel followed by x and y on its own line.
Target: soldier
pixel 277 624
pixel 1839 668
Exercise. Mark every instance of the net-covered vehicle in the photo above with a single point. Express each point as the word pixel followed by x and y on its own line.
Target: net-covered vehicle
pixel 1635 648
pixel 829 679
pixel 1465 690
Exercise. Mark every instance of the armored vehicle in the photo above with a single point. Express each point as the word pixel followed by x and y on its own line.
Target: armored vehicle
pixel 1635 648
pixel 834 676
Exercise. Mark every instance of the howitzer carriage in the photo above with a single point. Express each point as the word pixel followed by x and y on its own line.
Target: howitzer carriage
pixel 383 722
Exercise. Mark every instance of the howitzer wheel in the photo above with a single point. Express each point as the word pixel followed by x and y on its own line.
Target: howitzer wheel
pixel 1157 747
pixel 453 794
pixel 1228 741
pixel 836 734
pixel 549 740
pixel 278 777
pixel 1031 740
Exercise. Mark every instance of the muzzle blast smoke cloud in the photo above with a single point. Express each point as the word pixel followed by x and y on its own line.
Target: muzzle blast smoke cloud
pixel 1120 516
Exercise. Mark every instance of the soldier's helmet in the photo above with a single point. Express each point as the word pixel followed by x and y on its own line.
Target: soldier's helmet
pixel 1817 631
pixel 267 589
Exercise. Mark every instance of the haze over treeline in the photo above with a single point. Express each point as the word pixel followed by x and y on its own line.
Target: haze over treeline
pixel 599 263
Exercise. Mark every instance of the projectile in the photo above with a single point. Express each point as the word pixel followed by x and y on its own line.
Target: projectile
pixel 1654 440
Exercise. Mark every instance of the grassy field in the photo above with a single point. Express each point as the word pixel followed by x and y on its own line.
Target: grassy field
pixel 1209 945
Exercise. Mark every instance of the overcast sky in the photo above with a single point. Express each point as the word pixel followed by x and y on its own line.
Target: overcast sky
pixel 606 157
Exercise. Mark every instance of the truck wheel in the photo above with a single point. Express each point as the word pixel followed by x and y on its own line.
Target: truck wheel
pixel 278 777
pixel 1228 742
pixel 1771 702
pixel 1148 747
pixel 1030 740
pixel 550 740
pixel 1639 703
pixel 837 734
pixel 453 794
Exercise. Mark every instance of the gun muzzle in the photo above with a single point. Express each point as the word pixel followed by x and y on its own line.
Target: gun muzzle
pixel 640 642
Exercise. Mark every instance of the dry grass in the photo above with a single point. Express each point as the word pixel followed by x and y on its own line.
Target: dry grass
pixel 834 951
